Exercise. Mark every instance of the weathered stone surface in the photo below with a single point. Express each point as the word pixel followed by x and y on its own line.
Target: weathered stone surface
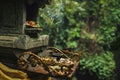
pixel 23 41
pixel 12 16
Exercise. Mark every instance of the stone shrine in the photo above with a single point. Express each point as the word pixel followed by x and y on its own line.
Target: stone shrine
pixel 15 36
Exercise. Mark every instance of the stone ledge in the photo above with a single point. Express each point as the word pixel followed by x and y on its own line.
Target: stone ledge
pixel 23 41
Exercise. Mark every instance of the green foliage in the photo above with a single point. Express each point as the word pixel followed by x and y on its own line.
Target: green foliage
pixel 86 25
pixel 103 65
pixel 51 19
pixel 106 35
pixel 62 19
pixel 101 19
pixel 67 21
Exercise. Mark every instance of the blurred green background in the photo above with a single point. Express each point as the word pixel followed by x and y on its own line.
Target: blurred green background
pixel 88 26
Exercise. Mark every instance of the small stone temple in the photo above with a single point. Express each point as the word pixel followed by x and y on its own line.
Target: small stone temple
pixel 15 35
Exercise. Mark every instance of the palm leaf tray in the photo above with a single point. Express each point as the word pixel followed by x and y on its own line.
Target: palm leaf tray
pixel 52 61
